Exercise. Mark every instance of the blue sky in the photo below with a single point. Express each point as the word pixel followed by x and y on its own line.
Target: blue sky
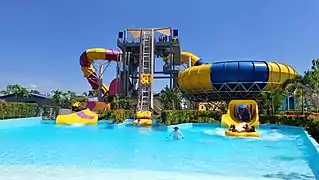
pixel 41 41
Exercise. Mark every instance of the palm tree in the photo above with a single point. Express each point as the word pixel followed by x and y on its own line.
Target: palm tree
pixel 57 97
pixel 72 96
pixel 312 89
pixel 170 98
pixel 301 87
pixel 17 90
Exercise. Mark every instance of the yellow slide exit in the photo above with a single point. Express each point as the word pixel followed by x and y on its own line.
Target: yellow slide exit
pixel 230 117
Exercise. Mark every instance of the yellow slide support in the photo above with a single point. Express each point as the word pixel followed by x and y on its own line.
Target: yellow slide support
pixel 230 118
pixel 85 117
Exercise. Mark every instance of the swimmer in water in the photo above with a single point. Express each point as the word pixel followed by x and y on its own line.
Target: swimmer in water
pixel 176 133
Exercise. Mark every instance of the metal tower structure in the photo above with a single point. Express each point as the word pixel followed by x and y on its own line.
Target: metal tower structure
pixel 141 48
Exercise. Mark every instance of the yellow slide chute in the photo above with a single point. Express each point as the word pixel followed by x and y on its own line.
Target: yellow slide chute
pixel 230 118
pixel 85 117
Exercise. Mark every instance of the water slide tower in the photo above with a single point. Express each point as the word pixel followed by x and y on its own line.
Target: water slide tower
pixel 141 48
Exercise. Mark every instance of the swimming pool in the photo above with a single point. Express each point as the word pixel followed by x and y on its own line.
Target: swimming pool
pixel 45 151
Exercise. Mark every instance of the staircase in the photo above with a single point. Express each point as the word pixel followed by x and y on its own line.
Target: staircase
pixel 145 95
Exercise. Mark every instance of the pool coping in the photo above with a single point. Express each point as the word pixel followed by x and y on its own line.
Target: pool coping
pixel 313 141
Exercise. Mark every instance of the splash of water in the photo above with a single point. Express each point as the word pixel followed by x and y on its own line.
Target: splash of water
pixel 216 131
pixel 267 135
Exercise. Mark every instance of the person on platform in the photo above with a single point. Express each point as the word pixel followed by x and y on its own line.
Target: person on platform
pixel 160 39
pixel 165 38
pixel 176 133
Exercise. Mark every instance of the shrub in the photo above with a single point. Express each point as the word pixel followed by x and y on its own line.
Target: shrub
pixel 17 110
pixel 118 115
pixel 170 117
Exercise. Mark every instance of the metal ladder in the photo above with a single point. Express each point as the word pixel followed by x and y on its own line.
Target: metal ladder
pixel 144 95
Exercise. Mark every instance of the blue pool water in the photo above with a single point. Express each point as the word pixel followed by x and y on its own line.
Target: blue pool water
pixel 100 152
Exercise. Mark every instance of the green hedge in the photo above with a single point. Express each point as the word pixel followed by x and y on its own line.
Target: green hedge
pixel 118 115
pixel 17 110
pixel 171 117
pixel 22 110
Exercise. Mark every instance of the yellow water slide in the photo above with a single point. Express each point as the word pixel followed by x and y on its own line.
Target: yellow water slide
pixel 230 118
pixel 86 61
pixel 85 117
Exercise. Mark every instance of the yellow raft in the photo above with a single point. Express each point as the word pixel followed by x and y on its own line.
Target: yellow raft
pixel 242 134
pixel 143 122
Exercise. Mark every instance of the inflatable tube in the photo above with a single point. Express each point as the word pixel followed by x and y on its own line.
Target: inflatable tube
pixel 242 134
pixel 143 122
pixel 143 115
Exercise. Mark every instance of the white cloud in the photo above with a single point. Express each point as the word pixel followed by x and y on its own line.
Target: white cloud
pixel 32 86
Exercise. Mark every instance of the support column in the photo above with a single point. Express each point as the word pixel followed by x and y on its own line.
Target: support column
pixel 100 82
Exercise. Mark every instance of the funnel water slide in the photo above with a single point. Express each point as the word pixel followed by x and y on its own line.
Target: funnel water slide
pixel 202 78
pixel 86 60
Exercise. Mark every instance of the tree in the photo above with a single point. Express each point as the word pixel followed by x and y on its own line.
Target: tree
pixel 305 88
pixel 271 101
pixel 66 99
pixel 312 90
pixel 57 96
pixel 72 98
pixel 121 102
pixel 17 90
pixel 33 91
pixel 170 98
pixel 81 99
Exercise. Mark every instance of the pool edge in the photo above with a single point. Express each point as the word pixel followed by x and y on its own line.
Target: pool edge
pixel 313 141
